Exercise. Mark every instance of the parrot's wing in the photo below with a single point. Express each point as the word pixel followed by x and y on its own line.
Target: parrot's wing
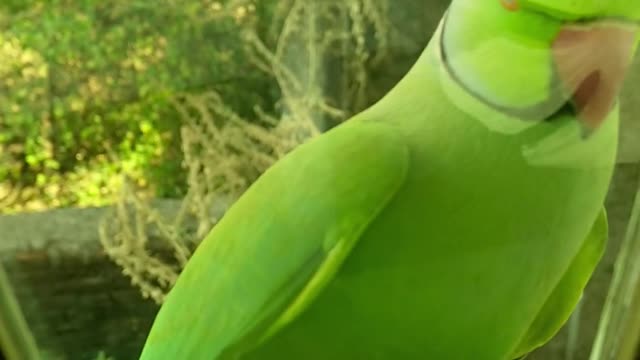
pixel 280 243
pixel 568 291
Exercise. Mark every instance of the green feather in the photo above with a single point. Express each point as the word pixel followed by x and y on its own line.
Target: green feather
pixel 438 224
pixel 567 293
pixel 279 243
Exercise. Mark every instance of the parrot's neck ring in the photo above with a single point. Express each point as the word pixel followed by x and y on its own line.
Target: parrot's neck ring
pixel 529 113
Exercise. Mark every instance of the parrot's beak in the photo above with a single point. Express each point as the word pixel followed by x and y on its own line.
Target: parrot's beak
pixel 591 62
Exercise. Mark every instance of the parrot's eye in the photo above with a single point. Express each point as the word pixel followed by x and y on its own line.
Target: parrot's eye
pixel 511 5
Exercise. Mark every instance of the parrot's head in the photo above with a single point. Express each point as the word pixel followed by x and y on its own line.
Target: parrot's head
pixel 542 59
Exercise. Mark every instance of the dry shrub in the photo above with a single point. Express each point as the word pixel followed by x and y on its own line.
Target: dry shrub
pixel 224 152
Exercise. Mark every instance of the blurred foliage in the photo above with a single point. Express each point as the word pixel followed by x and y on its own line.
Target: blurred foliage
pixel 86 89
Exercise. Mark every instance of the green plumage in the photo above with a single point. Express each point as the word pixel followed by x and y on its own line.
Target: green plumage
pixel 413 231
pixel 279 237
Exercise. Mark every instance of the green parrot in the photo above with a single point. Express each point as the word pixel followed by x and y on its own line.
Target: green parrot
pixel 459 217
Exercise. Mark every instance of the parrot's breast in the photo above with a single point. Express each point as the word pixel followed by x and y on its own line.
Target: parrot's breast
pixel 465 255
